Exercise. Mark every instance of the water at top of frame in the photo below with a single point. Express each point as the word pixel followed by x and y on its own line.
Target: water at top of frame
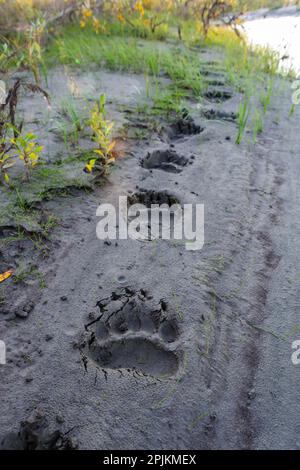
pixel 281 33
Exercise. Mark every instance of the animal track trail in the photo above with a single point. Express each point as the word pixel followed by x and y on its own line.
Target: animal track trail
pixel 212 114
pixel 184 126
pixel 218 94
pixel 166 160
pixel 149 197
pixel 132 333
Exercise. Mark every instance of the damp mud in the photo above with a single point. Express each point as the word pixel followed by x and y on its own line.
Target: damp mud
pixel 126 344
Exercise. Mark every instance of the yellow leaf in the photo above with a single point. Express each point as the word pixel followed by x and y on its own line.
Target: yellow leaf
pixel 33 158
pixel 5 275
pixel 99 152
pixel 121 18
pixel 90 165
pixel 111 146
pixel 87 13
pixel 8 165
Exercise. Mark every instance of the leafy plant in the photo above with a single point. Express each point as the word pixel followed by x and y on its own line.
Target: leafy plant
pixel 87 18
pixel 8 54
pixel 6 159
pixel 28 150
pixel 11 137
pixel 33 57
pixel 25 50
pixel 102 136
pixel 144 17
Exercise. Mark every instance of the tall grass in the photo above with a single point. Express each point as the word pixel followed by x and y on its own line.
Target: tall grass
pixel 83 47
pixel 266 95
pixel 242 119
pixel 258 125
pixel 245 64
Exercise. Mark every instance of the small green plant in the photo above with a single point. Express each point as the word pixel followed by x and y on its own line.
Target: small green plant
pixel 102 136
pixel 63 133
pixel 242 119
pixel 292 110
pixel 5 164
pixel 28 150
pixel 6 160
pixel 11 138
pixel 258 125
pixel 33 57
pixel 70 111
pixel 266 96
pixel 23 273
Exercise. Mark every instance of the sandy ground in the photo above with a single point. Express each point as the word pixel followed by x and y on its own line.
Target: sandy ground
pixel 145 345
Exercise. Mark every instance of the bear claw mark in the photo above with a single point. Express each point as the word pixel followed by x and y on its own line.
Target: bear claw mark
pixel 134 334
